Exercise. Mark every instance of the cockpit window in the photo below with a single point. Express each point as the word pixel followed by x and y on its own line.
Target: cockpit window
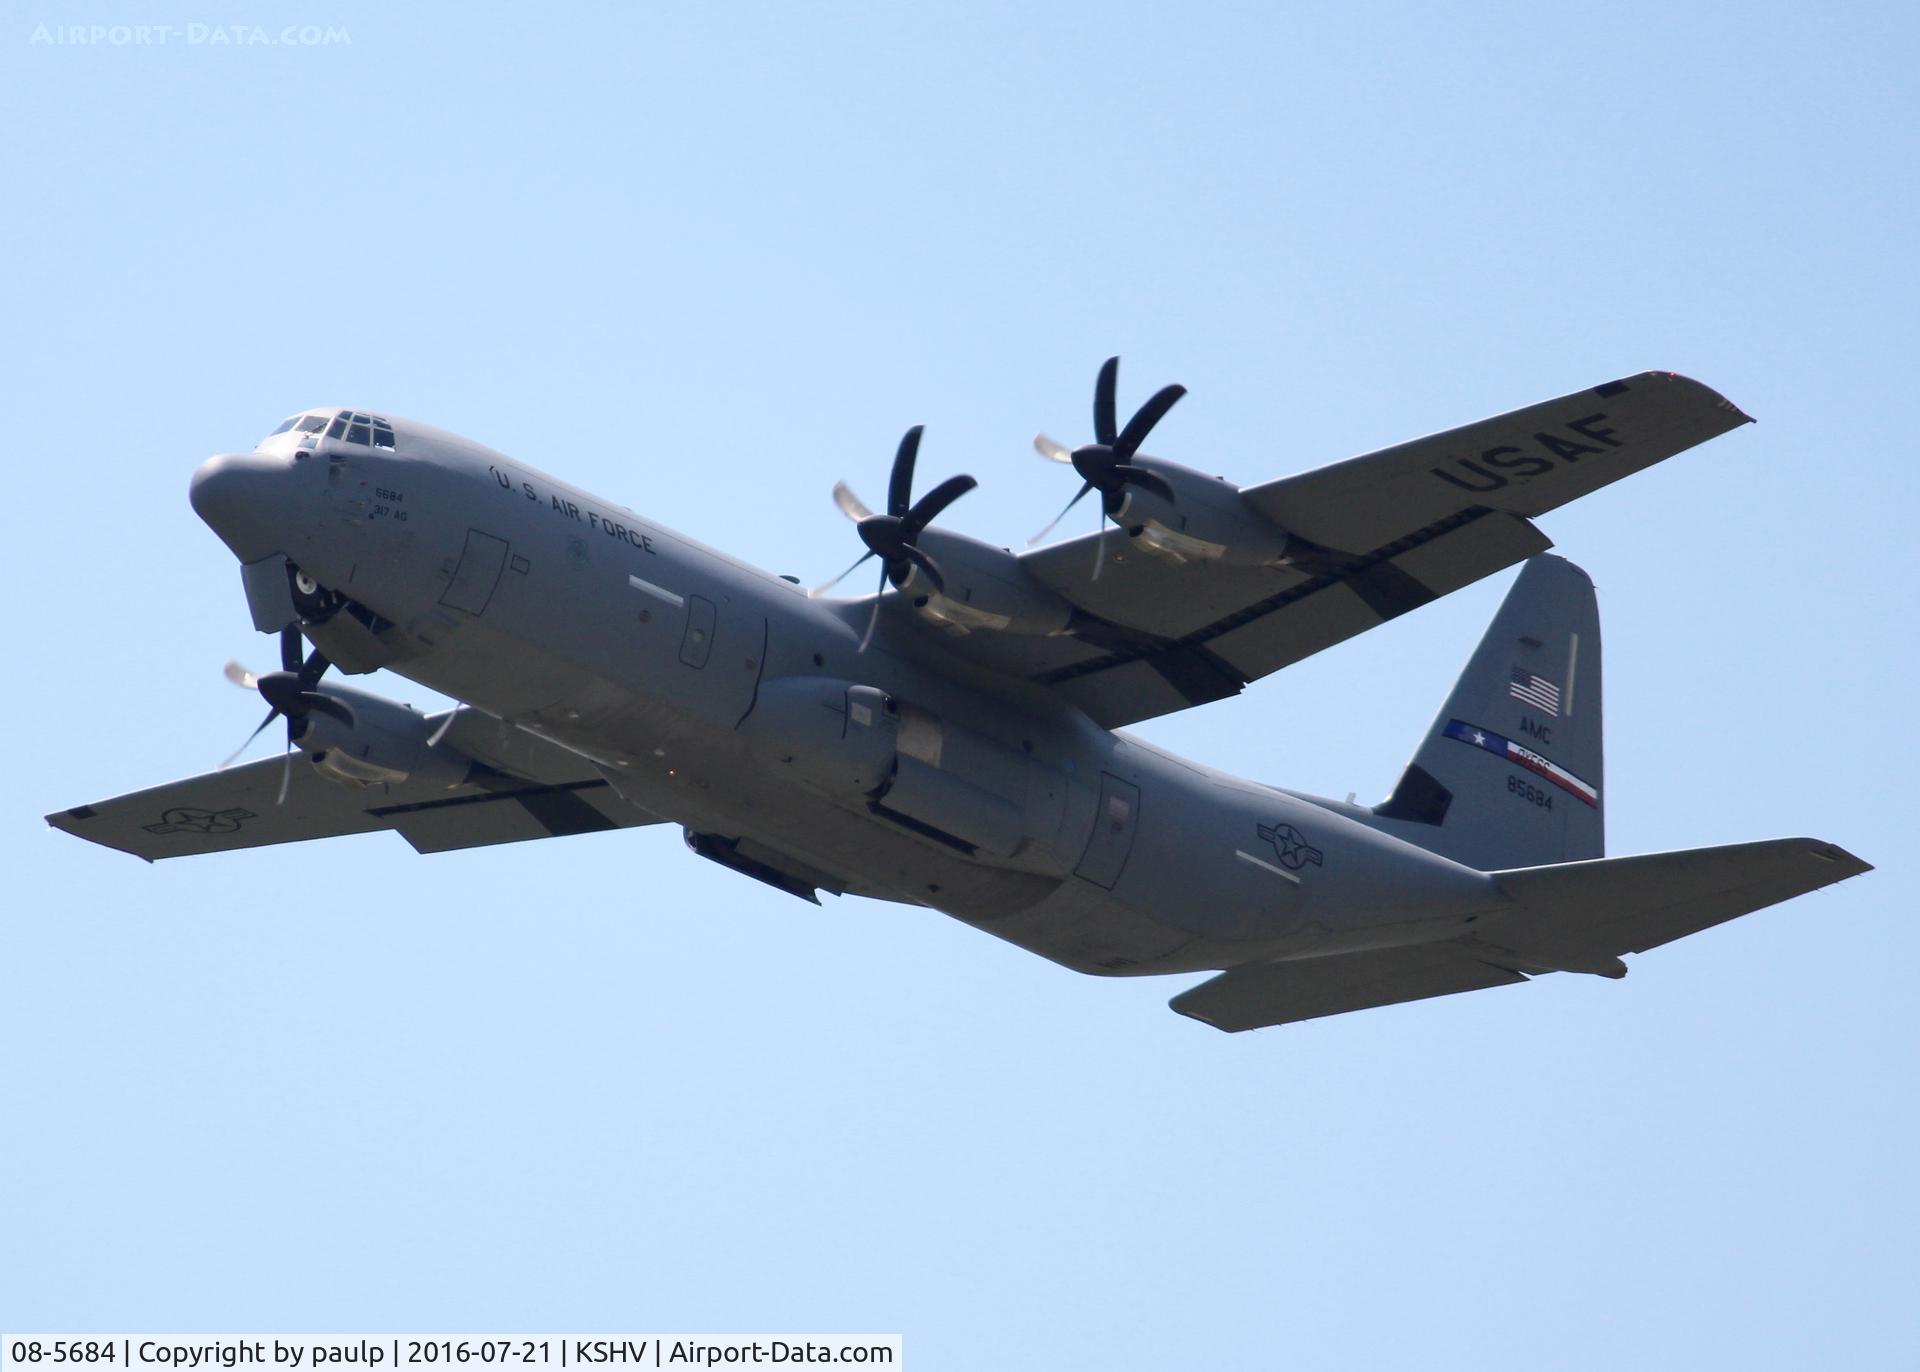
pixel 364 429
pixel 349 426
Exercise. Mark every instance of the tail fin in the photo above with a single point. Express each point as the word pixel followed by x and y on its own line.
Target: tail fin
pixel 1510 773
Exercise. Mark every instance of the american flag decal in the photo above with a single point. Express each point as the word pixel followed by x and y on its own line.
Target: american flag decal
pixel 1536 691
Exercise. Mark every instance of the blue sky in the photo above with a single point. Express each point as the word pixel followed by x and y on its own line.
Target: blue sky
pixel 706 259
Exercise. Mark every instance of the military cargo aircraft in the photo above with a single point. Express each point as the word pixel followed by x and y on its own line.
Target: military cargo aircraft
pixel 951 740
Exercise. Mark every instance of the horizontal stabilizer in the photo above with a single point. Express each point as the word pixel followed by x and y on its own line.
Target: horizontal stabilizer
pixel 1287 992
pixel 1594 911
pixel 1570 917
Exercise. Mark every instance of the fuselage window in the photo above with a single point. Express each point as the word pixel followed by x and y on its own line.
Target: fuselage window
pixel 337 428
pixel 285 424
pixel 357 433
pixel 313 424
pixel 382 434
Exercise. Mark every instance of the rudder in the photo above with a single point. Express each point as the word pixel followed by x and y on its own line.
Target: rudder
pixel 1510 772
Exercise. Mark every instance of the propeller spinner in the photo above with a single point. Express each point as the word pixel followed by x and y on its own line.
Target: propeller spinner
pixel 1106 464
pixel 892 537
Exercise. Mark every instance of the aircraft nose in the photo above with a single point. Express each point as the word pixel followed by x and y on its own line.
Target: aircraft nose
pixel 235 494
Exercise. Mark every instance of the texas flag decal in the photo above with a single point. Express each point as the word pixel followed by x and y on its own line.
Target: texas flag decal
pixel 1474 736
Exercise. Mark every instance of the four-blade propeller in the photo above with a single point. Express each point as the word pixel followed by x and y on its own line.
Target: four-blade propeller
pixel 892 537
pixel 1106 464
pixel 290 695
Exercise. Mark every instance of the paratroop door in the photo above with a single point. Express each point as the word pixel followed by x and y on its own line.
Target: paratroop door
pixel 697 642
pixel 1113 830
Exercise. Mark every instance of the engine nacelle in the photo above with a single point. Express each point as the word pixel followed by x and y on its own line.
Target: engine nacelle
pixel 385 745
pixel 1207 521
pixel 987 588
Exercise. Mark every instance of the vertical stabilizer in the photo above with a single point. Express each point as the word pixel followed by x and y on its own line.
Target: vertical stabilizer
pixel 1510 773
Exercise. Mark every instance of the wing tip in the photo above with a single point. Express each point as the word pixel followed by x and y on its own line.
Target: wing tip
pixel 1198 1018
pixel 1849 864
pixel 1740 416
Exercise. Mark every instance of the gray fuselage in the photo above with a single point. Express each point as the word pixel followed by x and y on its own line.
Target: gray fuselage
pixel 728 700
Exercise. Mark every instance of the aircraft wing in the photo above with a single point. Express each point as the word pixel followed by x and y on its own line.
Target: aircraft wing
pixel 528 789
pixel 1395 529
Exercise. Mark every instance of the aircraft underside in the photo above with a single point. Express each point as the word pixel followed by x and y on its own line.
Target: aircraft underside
pixel 951 741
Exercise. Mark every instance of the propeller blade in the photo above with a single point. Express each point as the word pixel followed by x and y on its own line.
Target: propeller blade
pixel 890 536
pixel 1100 542
pixel 928 567
pixel 318 703
pixel 313 669
pixel 850 504
pixel 824 587
pixel 1144 418
pixel 1052 449
pixel 445 725
pixel 1062 515
pixel 1104 428
pixel 932 503
pixel 873 620
pixel 286 769
pixel 289 693
pixel 1146 480
pixel 258 730
pixel 900 484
